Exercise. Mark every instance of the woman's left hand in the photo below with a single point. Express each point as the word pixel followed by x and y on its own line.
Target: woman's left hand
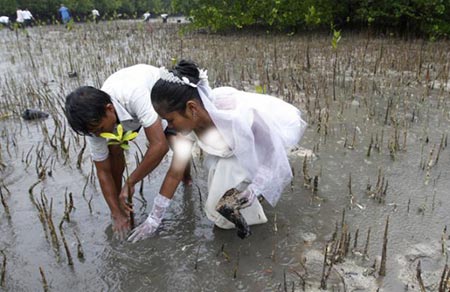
pixel 246 197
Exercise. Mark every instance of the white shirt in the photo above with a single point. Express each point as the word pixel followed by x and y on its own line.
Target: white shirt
pixel 4 19
pixel 95 12
pixel 130 90
pixel 27 14
pixel 19 16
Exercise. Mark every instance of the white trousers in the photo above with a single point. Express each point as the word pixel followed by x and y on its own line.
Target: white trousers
pixel 224 174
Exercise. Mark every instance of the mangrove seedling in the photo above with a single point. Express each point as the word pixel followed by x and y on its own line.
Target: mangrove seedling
pixel 122 140
pixel 119 138
pixel 334 44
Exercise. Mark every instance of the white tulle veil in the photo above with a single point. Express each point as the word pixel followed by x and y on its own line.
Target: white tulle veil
pixel 254 137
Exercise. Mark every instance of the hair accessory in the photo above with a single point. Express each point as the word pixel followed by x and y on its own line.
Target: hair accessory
pixel 203 74
pixel 168 76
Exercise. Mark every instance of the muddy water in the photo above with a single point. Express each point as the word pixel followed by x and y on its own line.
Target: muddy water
pixel 189 253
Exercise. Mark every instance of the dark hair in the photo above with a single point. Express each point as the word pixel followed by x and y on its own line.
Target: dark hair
pixel 169 96
pixel 85 108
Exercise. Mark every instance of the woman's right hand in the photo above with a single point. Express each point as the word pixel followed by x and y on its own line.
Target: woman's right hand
pixel 148 228
pixel 145 230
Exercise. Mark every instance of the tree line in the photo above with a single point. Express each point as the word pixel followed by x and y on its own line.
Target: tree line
pixel 429 17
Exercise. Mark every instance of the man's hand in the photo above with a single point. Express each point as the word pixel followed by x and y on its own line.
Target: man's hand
pixel 126 192
pixel 121 225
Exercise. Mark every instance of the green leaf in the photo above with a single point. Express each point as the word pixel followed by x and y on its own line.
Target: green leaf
pixel 259 89
pixel 113 142
pixel 110 136
pixel 119 132
pixel 125 146
pixel 129 135
pixel 336 38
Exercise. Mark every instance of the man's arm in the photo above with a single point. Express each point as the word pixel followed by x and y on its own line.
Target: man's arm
pixel 108 185
pixel 109 176
pixel 155 152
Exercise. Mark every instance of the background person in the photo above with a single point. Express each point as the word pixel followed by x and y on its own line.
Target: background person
pixel 95 15
pixel 244 136
pixel 4 21
pixel 164 17
pixel 19 18
pixel 65 14
pixel 146 16
pixel 28 17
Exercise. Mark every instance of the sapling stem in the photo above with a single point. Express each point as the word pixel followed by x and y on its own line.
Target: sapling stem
pixel 5 205
pixel 3 272
pixel 44 280
pixel 80 253
pixel 366 247
pixel 443 241
pixel 236 267
pixel 382 271
pixel 66 247
pixel 419 277
pixel 196 258
pixel 443 283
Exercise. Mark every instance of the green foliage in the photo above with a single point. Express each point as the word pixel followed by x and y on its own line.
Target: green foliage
pixel 70 24
pixel 120 138
pixel 82 6
pixel 336 38
pixel 126 7
pixel 7 7
pixel 261 89
pixel 429 17
pixel 16 26
pixel 312 17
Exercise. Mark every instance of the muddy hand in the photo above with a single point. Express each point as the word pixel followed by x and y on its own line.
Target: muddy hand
pixel 246 197
pixel 121 226
pixel 228 207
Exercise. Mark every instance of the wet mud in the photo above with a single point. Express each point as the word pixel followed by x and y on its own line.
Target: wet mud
pixel 375 149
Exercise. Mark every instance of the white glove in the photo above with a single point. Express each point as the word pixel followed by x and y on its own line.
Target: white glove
pixel 149 226
pixel 247 196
